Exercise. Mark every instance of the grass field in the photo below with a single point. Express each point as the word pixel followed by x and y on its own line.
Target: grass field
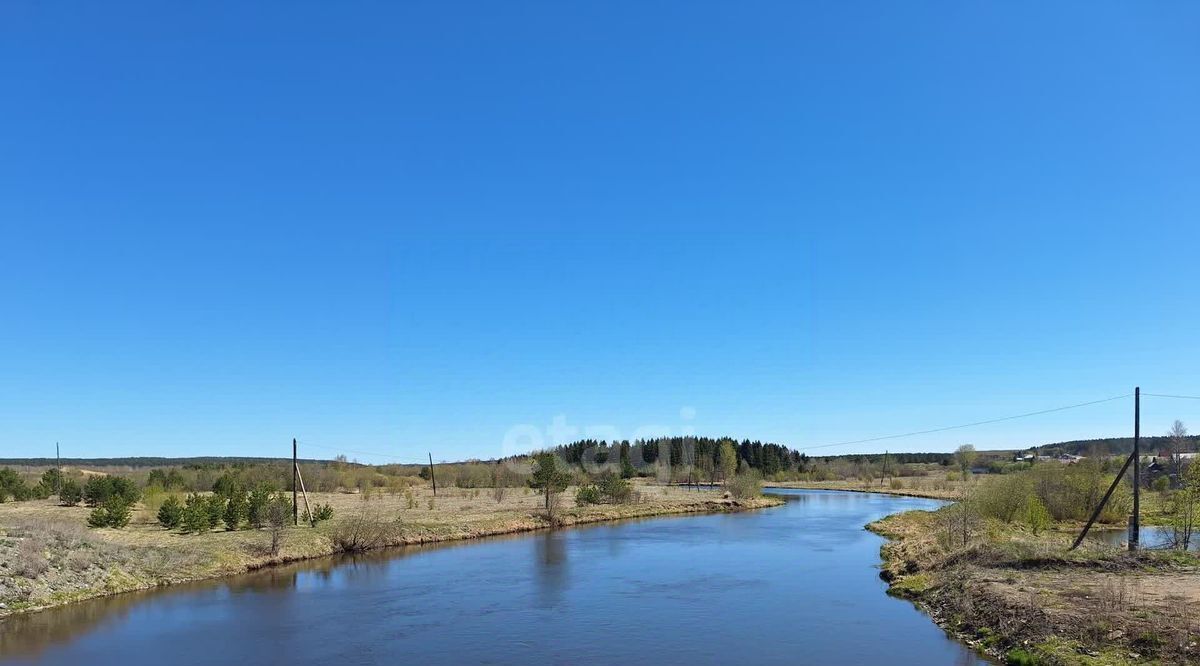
pixel 49 557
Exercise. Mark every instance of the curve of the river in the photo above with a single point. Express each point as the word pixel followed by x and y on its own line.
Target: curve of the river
pixel 796 584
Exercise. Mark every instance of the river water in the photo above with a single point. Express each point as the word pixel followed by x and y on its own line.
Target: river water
pixel 796 584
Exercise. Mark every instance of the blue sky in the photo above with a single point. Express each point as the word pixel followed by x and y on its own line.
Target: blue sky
pixel 403 227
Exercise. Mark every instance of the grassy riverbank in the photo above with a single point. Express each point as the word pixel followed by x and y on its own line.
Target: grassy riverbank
pixel 49 557
pixel 926 486
pixel 1026 599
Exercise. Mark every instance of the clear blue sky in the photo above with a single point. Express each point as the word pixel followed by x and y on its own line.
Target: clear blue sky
pixel 401 227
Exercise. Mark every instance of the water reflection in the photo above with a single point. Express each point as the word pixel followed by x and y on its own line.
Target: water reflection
pixel 550 568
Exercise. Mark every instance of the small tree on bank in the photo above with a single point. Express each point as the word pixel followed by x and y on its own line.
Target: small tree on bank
pixel 170 514
pixel 70 493
pixel 727 462
pixel 549 479
pixel 965 457
pixel 279 512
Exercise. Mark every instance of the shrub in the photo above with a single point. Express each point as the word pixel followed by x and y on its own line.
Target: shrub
pixel 410 500
pixel 323 512
pixel 195 514
pixel 1004 497
pixel 119 511
pixel 226 485
pixel 256 506
pixel 170 514
pixel 896 484
pixel 235 510
pixel 114 512
pixel 365 532
pixel 1036 515
pixel 745 485
pixel 12 485
pixel 52 479
pixel 613 488
pixel 215 508
pixel 1162 484
pixel 152 498
pixel 99 489
pixel 588 494
pixel 70 493
pixel 31 560
pixel 279 511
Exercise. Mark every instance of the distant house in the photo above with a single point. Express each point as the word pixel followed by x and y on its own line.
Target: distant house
pixel 1064 458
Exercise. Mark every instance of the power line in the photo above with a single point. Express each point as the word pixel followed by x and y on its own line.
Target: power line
pixel 1181 397
pixel 964 425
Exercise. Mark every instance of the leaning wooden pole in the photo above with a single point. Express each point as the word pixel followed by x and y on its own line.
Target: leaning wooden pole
pixel 307 508
pixel 432 477
pixel 1100 506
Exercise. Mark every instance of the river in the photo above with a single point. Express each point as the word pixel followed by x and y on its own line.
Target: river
pixel 797 584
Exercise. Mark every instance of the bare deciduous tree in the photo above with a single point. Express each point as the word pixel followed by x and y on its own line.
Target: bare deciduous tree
pixel 1174 448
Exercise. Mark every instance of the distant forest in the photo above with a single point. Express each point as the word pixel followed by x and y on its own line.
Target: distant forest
pixel 765 457
pixel 135 462
pixel 1113 445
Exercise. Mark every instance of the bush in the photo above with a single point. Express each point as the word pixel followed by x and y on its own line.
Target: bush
pixel 235 510
pixel 12 485
pixel 278 512
pixel 323 512
pixel 1162 484
pixel 365 532
pixel 195 514
pixel 256 506
pixel 170 514
pixel 588 494
pixel 745 485
pixel 215 508
pixel 99 489
pixel 52 479
pixel 119 511
pixel 226 485
pixel 1036 515
pixel 613 488
pixel 114 513
pixel 70 493
pixel 1004 497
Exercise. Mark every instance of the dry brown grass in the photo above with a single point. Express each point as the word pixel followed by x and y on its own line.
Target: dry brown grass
pixel 86 562
pixel 1014 589
pixel 932 486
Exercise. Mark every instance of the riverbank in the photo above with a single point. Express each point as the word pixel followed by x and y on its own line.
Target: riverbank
pixel 1026 599
pixel 48 557
pixel 927 487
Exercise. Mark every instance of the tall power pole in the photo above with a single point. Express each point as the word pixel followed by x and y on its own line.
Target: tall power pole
pixel 1135 520
pixel 295 473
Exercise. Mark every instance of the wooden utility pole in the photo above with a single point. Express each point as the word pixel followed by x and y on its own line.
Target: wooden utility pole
pixel 58 463
pixel 431 475
pixel 1135 520
pixel 1133 459
pixel 295 476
